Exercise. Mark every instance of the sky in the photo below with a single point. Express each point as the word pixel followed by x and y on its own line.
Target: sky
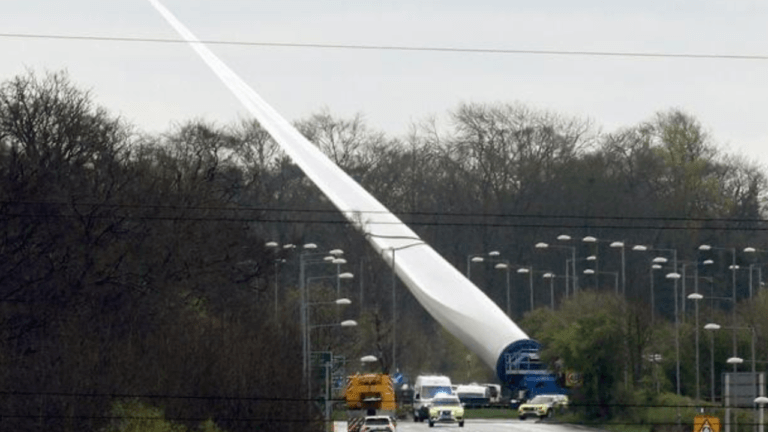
pixel 158 85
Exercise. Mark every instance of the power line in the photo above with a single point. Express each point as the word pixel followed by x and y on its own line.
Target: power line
pixel 153 396
pixel 318 211
pixel 404 48
pixel 572 404
pixel 244 219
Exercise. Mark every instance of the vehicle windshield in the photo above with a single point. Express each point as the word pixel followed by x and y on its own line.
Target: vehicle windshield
pixel 445 402
pixel 430 392
pixel 377 421
pixel 541 400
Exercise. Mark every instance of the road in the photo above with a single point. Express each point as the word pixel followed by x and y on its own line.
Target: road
pixel 505 425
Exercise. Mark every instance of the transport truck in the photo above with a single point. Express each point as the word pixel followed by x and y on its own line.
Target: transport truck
pixel 368 395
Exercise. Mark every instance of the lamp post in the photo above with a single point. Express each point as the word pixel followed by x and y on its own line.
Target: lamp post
pixel 614 245
pixel 338 260
pixel 308 257
pixel 615 275
pixel 712 327
pixel 753 337
pixel 673 252
pixel 575 278
pixel 327 365
pixel 544 245
pixel 478 258
pixel 278 261
pixel 657 265
pixel 416 242
pixel 733 267
pixel 305 254
pixel 761 400
pixel 529 272
pixel 696 297
pixel 620 244
pixel 500 264
pixel 655 359
pixel 505 266
pixel 551 277
pixel 394 298
pixel 675 277
pixel 751 250
pixel 736 360
pixel 593 258
pixel 338 302
pixel 592 240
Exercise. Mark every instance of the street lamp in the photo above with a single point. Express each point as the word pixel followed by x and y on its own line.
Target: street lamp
pixel 305 258
pixel 544 245
pixel 505 266
pixel 574 282
pixel 338 262
pixel 620 244
pixel 656 265
pixel 761 400
pixel 593 258
pixel 733 267
pixel 474 258
pixel 615 275
pixel 278 261
pixel 752 250
pixel 529 272
pixel 736 360
pixel 655 359
pixel 592 240
pixel 644 248
pixel 501 264
pixel 394 297
pixel 675 277
pixel 327 365
pixel 417 242
pixel 712 327
pixel 551 277
pixel 696 297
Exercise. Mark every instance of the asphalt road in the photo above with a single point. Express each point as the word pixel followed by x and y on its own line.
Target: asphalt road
pixel 506 425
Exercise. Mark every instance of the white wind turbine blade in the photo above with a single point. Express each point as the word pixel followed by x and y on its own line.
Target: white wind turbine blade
pixel 443 291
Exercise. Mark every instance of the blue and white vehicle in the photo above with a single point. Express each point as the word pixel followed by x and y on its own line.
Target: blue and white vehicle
pixel 425 389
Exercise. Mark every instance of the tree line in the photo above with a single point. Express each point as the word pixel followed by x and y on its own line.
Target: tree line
pixel 134 273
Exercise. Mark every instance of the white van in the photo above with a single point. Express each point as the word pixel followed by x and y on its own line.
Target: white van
pixel 473 395
pixel 424 390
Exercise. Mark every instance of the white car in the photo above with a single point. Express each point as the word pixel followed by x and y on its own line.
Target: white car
pixel 378 424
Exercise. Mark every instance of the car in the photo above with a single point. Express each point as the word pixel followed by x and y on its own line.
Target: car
pixel 542 406
pixel 446 408
pixel 380 423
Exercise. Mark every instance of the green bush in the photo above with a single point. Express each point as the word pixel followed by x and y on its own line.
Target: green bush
pixel 136 416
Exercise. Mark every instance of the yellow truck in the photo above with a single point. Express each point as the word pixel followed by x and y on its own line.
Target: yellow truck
pixel 368 395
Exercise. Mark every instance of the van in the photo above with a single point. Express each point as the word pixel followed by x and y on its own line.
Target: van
pixel 473 395
pixel 425 389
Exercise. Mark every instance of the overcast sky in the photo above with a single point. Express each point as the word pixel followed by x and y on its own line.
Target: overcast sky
pixel 155 85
